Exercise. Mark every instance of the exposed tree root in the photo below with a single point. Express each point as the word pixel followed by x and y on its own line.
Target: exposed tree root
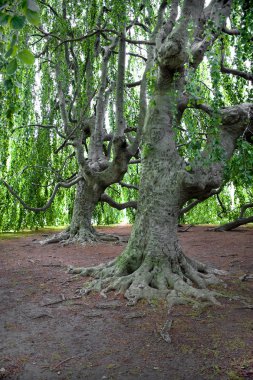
pixel 153 280
pixel 84 236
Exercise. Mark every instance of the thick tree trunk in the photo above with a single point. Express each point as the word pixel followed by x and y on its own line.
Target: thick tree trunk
pixel 86 198
pixel 88 194
pixel 153 264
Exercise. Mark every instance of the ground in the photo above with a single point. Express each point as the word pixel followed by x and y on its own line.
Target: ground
pixel 48 332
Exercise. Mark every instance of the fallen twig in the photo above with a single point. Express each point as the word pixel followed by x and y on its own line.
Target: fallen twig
pixel 187 228
pixel 51 265
pixel 63 361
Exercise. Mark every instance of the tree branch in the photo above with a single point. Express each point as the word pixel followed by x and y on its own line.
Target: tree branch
pixel 118 206
pixel 48 204
pixel 128 186
pixel 242 74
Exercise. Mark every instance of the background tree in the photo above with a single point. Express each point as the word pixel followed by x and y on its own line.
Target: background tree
pixel 153 264
pixel 81 98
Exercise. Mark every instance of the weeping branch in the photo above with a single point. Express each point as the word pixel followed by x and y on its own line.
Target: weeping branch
pixel 120 120
pixel 118 206
pixel 128 186
pixel 50 201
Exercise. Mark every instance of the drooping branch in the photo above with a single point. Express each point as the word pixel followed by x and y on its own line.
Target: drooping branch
pixel 41 126
pixel 50 201
pixel 120 120
pixel 118 206
pixel 62 99
pixel 227 70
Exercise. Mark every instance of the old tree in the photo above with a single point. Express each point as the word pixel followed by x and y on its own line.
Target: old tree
pixel 152 77
pixel 153 263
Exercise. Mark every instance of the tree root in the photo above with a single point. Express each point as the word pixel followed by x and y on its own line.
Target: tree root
pixel 81 237
pixel 150 281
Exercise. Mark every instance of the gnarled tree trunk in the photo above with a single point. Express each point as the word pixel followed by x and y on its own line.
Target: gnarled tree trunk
pixel 153 264
pixel 86 198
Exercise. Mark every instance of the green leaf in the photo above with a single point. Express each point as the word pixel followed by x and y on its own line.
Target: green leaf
pixel 26 56
pixel 8 84
pixel 4 18
pixel 11 67
pixel 9 52
pixel 32 17
pixel 17 22
pixel 32 5
pixel 14 40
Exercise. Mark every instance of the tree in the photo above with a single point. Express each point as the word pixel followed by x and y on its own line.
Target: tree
pixel 153 263
pixel 80 87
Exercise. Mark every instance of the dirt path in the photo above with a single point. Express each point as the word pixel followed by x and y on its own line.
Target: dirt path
pixel 46 333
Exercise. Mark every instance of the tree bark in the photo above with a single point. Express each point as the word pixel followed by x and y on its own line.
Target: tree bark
pixel 153 264
pixel 86 198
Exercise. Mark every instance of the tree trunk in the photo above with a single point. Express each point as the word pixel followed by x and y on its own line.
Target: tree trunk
pixel 87 196
pixel 153 264
pixel 86 199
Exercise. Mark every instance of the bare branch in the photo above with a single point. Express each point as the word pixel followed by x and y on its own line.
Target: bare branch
pixel 200 200
pixel 238 73
pixel 231 32
pixel 139 42
pixel 50 7
pixel 120 120
pixel 137 56
pixel 118 206
pixel 244 208
pixel 134 84
pixel 128 186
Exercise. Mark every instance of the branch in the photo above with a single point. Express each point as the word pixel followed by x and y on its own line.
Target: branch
pixel 242 74
pixel 48 204
pixel 137 56
pixel 41 126
pixel 128 186
pixel 236 223
pixel 231 32
pixel 139 42
pixel 134 84
pixel 244 208
pixel 118 206
pixel 187 208
pixel 120 120
pixel 90 34
pixel 50 7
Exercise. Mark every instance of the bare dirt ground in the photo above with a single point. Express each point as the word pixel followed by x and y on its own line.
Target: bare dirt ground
pixel 47 333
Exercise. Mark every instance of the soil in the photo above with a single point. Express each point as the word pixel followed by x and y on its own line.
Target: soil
pixel 48 332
